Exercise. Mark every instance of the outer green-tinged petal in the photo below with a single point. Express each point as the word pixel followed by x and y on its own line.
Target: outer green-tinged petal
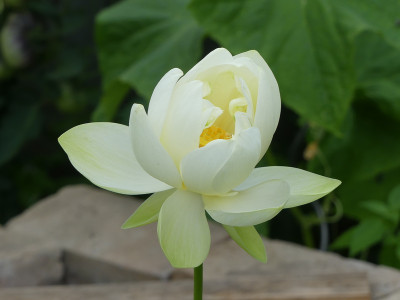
pixel 102 152
pixel 148 150
pixel 183 230
pixel 184 122
pixel 160 99
pixel 222 164
pixel 248 239
pixel 305 186
pixel 148 212
pixel 249 207
pixel 268 106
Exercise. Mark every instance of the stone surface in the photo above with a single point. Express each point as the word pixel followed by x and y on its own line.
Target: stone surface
pixel 78 230
pixel 31 267
pixel 25 261
pixel 271 287
pixel 88 221
pixel 226 259
pixel 83 269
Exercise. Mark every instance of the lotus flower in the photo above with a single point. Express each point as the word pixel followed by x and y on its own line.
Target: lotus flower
pixel 196 149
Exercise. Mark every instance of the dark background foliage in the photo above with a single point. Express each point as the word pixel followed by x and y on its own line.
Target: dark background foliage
pixel 337 62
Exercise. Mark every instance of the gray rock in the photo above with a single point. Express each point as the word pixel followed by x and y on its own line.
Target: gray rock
pixel 27 261
pixel 31 267
pixel 87 221
pixel 226 260
pixel 80 226
pixel 250 288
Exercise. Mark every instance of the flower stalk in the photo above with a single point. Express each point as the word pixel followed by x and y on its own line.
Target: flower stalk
pixel 198 283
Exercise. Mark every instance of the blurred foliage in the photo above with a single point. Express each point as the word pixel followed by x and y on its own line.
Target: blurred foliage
pixel 337 63
pixel 49 82
pixel 139 41
pixel 379 226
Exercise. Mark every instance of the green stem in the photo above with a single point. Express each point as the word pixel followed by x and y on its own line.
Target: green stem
pixel 198 283
pixel 304 226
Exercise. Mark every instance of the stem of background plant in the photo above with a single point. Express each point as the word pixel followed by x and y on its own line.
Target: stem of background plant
pixel 198 283
pixel 305 227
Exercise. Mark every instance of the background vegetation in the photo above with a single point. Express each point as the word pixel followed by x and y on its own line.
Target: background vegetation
pixel 337 62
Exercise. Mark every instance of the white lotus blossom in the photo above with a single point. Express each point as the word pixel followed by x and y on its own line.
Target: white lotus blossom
pixel 196 149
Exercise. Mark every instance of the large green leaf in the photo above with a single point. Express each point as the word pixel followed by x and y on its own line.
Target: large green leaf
pixel 377 65
pixel 390 254
pixel 381 210
pixel 140 40
pixel 344 240
pixel 361 236
pixel 302 43
pixel 366 234
pixel 370 146
pixel 353 193
pixel 378 15
pixel 394 198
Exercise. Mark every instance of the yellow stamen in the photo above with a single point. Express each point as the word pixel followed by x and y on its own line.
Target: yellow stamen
pixel 213 133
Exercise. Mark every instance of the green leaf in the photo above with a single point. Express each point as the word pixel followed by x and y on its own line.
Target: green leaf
pixel 377 15
pixel 370 146
pixel 394 198
pixel 398 253
pixel 310 57
pixel 377 65
pixel 344 240
pixel 5 71
pixel 139 41
pixel 353 193
pixel 380 210
pixel 366 234
pixel 390 253
pixel 110 101
pixel 20 123
pixel 249 240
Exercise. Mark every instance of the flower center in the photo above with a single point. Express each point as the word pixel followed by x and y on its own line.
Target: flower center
pixel 213 133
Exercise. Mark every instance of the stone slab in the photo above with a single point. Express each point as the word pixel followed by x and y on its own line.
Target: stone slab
pixel 83 269
pixel 226 259
pixel 88 221
pixel 270 287
pixel 85 223
pixel 31 267
pixel 25 261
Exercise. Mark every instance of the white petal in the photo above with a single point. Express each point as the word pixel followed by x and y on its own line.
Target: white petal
pixel 222 164
pixel 148 211
pixel 214 58
pixel 148 150
pixel 183 124
pixel 183 230
pixel 210 113
pixel 160 99
pixel 268 106
pixel 266 117
pixel 244 89
pixel 256 58
pixel 237 105
pixel 253 206
pixel 242 122
pixel 102 152
pixel 305 186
